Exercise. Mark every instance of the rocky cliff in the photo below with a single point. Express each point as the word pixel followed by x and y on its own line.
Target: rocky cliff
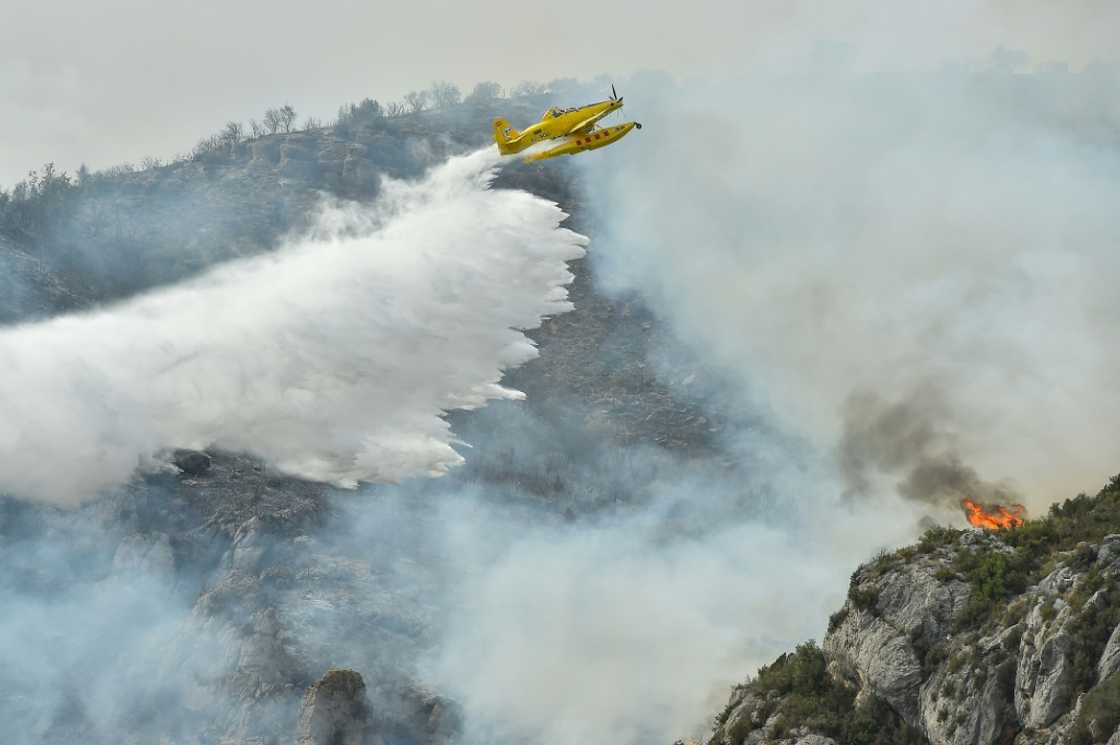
pixel 967 638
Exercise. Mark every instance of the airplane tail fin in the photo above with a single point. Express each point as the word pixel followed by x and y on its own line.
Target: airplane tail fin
pixel 504 134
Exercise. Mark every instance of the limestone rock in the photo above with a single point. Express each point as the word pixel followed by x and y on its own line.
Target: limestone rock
pixel 335 711
pixel 898 615
pixel 1043 681
pixel 816 740
pixel 191 462
pixel 1110 659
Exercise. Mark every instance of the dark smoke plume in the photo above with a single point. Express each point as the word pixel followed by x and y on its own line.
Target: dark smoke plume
pixel 910 439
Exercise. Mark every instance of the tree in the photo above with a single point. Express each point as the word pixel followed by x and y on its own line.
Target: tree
pixel 416 101
pixel 257 129
pixel 563 87
pixel 485 92
pixel 50 183
pixel 232 135
pixel 36 199
pixel 368 109
pixel 312 123
pixel 527 88
pixel 394 109
pixel 272 121
pixel 287 117
pixel 207 146
pixel 444 95
pixel 279 120
pixel 367 112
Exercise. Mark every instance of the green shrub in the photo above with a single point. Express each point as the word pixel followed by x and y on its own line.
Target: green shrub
pixel 809 697
pixel 1013 615
pixel 937 537
pixel 1093 581
pixel 1089 631
pixel 1102 705
pixel 944 574
pixel 864 598
pixel 994 576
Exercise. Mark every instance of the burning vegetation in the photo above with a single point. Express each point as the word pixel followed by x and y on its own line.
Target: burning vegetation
pixel 993 516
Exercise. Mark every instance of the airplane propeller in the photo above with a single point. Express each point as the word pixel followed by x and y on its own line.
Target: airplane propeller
pixel 616 97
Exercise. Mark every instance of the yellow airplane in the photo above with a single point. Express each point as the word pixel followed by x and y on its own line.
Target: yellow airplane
pixel 575 129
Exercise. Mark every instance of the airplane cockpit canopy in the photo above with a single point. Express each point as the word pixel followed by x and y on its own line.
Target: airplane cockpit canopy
pixel 556 111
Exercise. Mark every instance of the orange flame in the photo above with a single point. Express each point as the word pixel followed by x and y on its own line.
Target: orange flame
pixel 995 516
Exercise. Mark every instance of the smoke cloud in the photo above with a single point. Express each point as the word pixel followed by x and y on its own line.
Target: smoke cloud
pixel 908 441
pixel 96 639
pixel 333 359
pixel 939 236
pixel 630 626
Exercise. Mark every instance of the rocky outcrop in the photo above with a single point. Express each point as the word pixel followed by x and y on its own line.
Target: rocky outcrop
pixel 427 715
pixel 1044 675
pixel 1110 659
pixel 895 616
pixel 335 711
pixel 968 638
pixel 191 462
pixel 982 675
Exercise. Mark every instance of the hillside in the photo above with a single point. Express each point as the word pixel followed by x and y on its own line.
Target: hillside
pixel 106 234
pixel 250 584
pixel 966 638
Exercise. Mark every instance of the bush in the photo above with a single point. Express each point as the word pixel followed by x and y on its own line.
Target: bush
pixel 809 697
pixel 1100 706
pixel 995 576
pixel 864 598
pixel 1089 632
pixel 937 537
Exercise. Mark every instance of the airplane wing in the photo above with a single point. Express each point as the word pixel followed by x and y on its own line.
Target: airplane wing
pixel 585 126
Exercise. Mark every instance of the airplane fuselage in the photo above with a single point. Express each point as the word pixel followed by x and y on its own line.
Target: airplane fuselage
pixel 589 140
pixel 563 131
pixel 554 124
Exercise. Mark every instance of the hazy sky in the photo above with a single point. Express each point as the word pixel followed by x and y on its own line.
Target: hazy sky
pixel 115 80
